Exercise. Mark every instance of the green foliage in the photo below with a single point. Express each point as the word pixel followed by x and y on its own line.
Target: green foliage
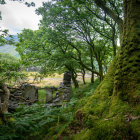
pixel 85 90
pixel 9 68
pixel 36 122
pixel 5 38
pixel 5 57
pixel 67 39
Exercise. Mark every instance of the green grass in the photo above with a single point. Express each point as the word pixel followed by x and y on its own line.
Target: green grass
pixel 41 95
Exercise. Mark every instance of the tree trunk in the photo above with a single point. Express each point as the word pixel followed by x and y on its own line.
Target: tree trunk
pixel 99 61
pixel 83 76
pixel 4 105
pixel 92 65
pixel 123 76
pixel 127 74
pixel 100 70
pixel 76 85
pixel 0 106
pixel 92 77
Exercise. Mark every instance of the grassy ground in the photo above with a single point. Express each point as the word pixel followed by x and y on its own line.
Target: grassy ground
pixel 41 96
pixel 52 80
pixel 39 81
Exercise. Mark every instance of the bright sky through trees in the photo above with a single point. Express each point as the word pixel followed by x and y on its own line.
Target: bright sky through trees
pixel 17 16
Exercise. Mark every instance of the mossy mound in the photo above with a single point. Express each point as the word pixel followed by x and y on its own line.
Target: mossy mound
pixel 107 116
pixel 109 119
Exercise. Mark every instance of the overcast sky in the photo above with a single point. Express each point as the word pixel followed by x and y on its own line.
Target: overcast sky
pixel 17 16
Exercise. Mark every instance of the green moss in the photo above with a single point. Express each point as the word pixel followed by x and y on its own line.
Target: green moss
pixel 105 119
pixel 105 112
pixel 1 122
pixel 136 110
pixel 85 134
pixel 135 126
pixel 138 74
pixel 118 107
pixel 105 129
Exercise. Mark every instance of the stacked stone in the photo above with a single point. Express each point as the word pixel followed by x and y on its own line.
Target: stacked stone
pixel 67 85
pixel 25 91
pixel 14 102
pixel 64 90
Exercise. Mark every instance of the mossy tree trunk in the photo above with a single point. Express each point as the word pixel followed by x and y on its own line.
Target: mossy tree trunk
pixel 127 74
pixel 123 76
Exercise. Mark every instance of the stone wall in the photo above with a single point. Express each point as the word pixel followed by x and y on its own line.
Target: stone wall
pixel 26 94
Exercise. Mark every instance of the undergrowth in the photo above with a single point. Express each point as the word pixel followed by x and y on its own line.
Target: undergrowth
pixel 87 116
pixel 40 122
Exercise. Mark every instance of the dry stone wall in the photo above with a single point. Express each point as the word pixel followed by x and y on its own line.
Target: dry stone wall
pixel 25 94
pixel 63 92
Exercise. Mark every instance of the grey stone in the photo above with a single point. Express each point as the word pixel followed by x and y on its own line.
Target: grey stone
pixel 67 78
pixel 49 95
pixel 29 92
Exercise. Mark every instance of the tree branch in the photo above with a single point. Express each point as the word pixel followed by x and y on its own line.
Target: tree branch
pixel 110 13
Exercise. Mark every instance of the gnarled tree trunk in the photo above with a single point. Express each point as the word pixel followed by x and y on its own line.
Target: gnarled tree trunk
pixel 4 105
pixel 127 74
pixel 123 76
pixel 74 76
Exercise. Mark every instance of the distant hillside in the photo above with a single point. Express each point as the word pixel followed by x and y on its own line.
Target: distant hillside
pixel 10 48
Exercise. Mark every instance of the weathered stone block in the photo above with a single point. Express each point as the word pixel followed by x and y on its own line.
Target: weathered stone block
pixel 29 92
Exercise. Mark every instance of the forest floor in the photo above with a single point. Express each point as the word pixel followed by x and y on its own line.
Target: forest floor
pixel 88 116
